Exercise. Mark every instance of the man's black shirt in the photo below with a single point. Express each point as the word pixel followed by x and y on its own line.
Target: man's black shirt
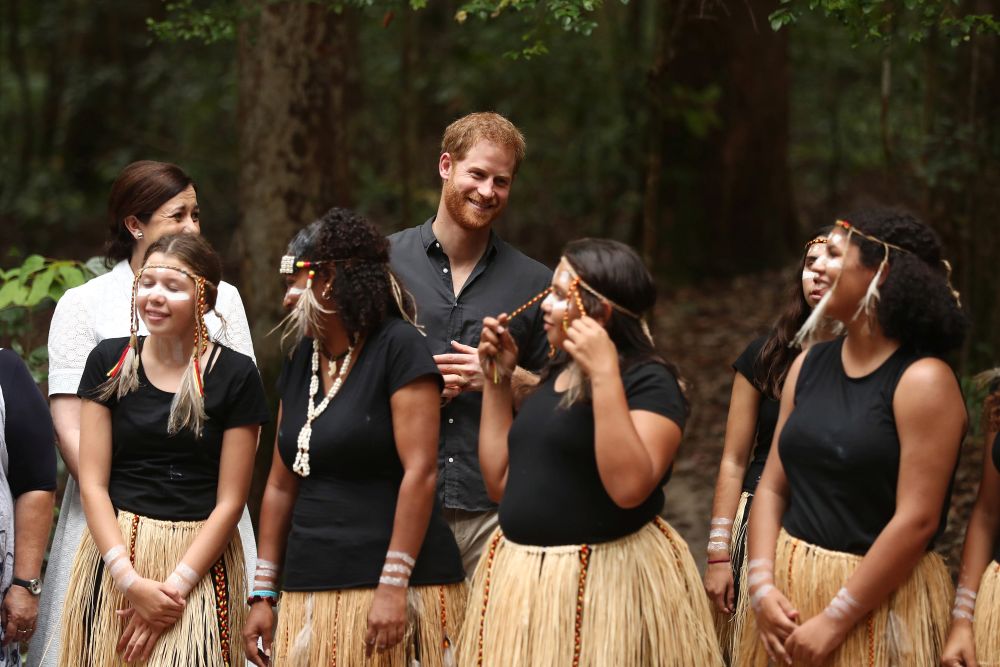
pixel 503 279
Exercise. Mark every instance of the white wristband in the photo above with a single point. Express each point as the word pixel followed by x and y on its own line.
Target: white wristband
pixel 721 521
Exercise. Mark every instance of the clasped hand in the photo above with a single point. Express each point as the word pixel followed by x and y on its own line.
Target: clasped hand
pixel 787 642
pixel 155 607
pixel 497 348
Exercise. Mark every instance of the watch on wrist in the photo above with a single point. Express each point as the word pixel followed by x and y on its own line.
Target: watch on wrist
pixel 34 586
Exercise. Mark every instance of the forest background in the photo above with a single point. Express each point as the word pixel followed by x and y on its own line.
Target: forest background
pixel 713 135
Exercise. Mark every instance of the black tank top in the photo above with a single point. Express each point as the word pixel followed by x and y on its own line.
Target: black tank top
pixel 996 462
pixel 840 451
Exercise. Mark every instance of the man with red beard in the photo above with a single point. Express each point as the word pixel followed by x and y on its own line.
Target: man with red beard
pixel 460 271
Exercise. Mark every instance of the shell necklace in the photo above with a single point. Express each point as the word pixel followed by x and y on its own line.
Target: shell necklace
pixel 301 465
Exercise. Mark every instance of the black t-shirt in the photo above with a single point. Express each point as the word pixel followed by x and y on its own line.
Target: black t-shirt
pixel 31 441
pixel 343 515
pixel 554 493
pixel 173 477
pixel 840 451
pixel 748 365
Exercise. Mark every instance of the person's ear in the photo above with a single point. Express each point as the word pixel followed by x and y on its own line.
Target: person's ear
pixel 604 316
pixel 133 227
pixel 444 166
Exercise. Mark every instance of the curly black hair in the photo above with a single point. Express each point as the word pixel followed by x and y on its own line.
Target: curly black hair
pixel 917 306
pixel 357 255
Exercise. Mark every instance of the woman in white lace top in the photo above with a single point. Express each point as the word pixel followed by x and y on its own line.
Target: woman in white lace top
pixel 148 200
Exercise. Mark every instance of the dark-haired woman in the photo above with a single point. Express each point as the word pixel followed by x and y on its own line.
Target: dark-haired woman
pixel 350 525
pixel 841 572
pixel 148 200
pixel 168 429
pixel 753 413
pixel 974 638
pixel 582 570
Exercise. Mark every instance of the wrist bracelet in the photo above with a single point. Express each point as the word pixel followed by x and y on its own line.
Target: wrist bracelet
pixel 266 596
pixel 718 560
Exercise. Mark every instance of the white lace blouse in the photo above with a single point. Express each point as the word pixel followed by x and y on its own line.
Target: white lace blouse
pixel 99 309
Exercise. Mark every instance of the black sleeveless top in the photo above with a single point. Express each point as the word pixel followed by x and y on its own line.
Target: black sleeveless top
pixel 996 462
pixel 748 365
pixel 840 451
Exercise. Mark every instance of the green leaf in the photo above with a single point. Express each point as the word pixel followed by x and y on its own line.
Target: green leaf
pixel 32 264
pixel 12 293
pixel 40 287
pixel 71 276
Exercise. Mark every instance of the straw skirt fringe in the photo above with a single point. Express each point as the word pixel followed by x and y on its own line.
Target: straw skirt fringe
pixel 907 630
pixel 987 623
pixel 210 629
pixel 635 602
pixel 328 628
pixel 727 626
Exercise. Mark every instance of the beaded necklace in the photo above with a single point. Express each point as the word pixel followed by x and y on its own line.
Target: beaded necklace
pixel 301 465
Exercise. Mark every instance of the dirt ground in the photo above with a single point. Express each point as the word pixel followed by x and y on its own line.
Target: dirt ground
pixel 703 330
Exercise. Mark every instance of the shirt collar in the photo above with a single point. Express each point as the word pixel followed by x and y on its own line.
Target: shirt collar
pixel 427 238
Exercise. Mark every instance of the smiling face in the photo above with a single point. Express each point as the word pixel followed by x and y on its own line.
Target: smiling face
pixel 295 285
pixel 178 215
pixel 476 188
pixel 841 265
pixel 559 305
pixel 165 298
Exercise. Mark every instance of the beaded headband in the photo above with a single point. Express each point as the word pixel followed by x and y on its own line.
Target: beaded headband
pixel 308 310
pixel 187 410
pixel 869 302
pixel 819 240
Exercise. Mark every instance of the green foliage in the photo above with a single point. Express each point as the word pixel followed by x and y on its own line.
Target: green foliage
pixel 211 21
pixel 33 286
pixel 877 20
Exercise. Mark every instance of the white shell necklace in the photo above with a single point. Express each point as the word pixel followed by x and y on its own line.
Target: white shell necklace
pixel 301 465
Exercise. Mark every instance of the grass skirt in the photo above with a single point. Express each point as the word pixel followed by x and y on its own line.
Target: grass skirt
pixel 209 633
pixel 987 623
pixel 328 628
pixel 729 626
pixel 907 630
pixel 634 602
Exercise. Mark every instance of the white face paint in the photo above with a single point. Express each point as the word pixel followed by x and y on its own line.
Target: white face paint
pixel 557 306
pixel 836 238
pixel 295 291
pixel 159 289
pixel 835 263
pixel 808 274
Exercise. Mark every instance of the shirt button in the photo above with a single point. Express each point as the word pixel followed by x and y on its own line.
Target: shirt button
pixel 445 270
pixel 451 420
pixel 451 459
pixel 437 245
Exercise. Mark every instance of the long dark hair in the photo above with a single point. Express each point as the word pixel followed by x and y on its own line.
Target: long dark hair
pixel 140 189
pixel 777 353
pixel 617 272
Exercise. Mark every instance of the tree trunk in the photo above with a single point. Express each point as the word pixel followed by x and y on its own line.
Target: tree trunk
pixel 736 184
pixel 293 118
pixel 294 104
